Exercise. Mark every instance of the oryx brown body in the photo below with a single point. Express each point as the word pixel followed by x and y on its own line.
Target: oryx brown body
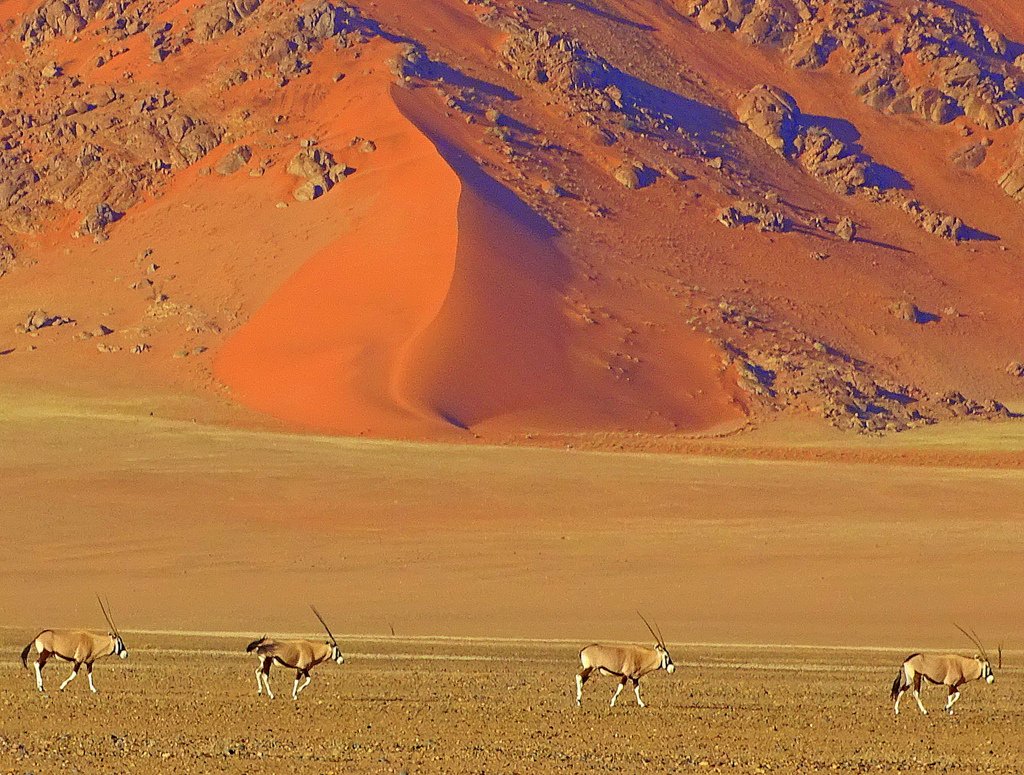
pixel 628 663
pixel 76 646
pixel 950 670
pixel 299 655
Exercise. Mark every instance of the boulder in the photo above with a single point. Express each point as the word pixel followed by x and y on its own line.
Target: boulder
pixel 234 160
pixel 771 114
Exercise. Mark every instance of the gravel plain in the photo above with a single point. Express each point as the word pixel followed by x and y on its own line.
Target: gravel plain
pixel 187 704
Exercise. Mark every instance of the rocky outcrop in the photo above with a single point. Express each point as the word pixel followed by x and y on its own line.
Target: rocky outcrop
pixel 771 114
pixel 318 170
pixel 774 116
pixel 1012 180
pixel 218 17
pixel 960 65
pixel 940 224
pixel 286 50
pixel 57 18
pixel 744 212
pixel 558 61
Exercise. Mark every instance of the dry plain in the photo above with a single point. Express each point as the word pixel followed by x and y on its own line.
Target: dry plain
pixel 493 565
pixel 187 704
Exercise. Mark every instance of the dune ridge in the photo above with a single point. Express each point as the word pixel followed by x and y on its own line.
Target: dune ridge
pixel 441 307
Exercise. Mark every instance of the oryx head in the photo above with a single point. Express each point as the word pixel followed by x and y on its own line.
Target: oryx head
pixel 661 648
pixel 336 654
pixel 115 636
pixel 986 665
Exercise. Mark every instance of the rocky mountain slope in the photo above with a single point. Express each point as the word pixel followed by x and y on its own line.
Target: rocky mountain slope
pixel 422 219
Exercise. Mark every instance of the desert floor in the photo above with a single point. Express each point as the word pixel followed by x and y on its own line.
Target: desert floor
pixel 492 565
pixel 186 703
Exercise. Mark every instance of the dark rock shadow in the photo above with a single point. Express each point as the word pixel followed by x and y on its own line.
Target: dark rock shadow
pixel 695 118
pixel 579 5
pixel 970 234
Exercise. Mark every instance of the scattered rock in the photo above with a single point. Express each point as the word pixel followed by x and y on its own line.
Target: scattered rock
pixel 96 222
pixel 970 157
pixel 633 175
pixel 743 212
pixel 771 114
pixel 320 171
pixel 905 310
pixel 940 224
pixel 234 160
pixel 846 229
pixel 1015 369
pixel 39 319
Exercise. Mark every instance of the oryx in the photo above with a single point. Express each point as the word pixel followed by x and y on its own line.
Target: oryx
pixel 81 648
pixel 629 663
pixel 300 655
pixel 951 670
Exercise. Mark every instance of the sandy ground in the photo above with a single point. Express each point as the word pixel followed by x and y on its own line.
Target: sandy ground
pixel 471 554
pixel 197 527
pixel 187 703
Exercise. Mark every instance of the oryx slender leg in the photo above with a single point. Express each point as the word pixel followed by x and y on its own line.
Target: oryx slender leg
pixel 306 682
pixel 40 663
pixel 295 686
pixel 265 674
pixel 917 694
pixel 88 672
pixel 259 679
pixel 581 678
pixel 636 691
pixel 618 690
pixel 70 678
pixel 954 695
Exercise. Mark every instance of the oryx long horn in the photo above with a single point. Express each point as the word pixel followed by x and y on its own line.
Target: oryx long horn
pixel 113 624
pixel 973 638
pixel 106 615
pixel 656 638
pixel 329 633
pixel 999 651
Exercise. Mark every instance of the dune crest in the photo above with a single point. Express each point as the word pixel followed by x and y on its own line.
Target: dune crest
pixel 321 351
pixel 442 307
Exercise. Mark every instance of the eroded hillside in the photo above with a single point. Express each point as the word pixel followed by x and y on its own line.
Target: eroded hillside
pixel 423 219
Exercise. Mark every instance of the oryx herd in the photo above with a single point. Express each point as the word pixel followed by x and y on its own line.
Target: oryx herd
pixel 627 663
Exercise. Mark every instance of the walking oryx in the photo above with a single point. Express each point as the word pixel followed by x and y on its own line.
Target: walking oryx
pixel 301 655
pixel 952 670
pixel 629 663
pixel 81 648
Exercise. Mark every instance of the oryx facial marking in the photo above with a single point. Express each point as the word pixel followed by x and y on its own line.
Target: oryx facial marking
pixel 75 646
pixel 628 663
pixel 299 655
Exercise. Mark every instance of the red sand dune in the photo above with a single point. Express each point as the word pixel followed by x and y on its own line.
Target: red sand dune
pixel 440 302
